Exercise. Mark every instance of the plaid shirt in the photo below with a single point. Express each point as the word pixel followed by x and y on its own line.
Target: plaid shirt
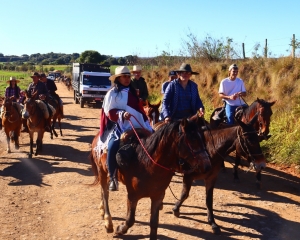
pixel 9 91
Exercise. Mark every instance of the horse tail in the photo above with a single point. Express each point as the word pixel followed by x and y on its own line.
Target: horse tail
pixel 94 169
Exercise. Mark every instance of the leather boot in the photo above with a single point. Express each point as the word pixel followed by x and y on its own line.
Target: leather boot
pixel 113 185
pixel 25 127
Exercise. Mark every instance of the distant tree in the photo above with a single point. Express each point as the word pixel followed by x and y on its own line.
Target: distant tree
pixel 91 56
pixel 1 55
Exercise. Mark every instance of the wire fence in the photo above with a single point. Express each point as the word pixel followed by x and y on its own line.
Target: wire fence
pixel 17 76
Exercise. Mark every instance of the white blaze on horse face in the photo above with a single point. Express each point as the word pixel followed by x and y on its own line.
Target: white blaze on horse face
pixel 25 114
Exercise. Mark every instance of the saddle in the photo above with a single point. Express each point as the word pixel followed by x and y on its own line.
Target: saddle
pixel 126 153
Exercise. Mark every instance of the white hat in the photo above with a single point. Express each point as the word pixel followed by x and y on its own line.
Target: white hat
pixel 136 68
pixel 121 70
pixel 13 79
pixel 232 66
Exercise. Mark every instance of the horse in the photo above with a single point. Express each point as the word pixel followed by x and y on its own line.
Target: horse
pixel 58 115
pixel 35 122
pixel 219 143
pixel 262 125
pixel 168 150
pixel 152 112
pixel 12 122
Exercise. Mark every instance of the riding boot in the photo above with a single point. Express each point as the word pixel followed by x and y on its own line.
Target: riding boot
pixel 113 184
pixel 25 127
pixel 0 123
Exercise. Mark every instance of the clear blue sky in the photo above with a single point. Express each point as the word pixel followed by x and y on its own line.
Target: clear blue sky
pixel 143 28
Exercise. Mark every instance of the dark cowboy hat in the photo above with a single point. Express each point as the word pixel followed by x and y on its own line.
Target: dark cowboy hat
pixel 43 75
pixel 35 74
pixel 185 67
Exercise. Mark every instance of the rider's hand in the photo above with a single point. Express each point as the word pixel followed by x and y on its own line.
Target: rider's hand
pixel 201 112
pixel 42 96
pixel 167 120
pixel 126 115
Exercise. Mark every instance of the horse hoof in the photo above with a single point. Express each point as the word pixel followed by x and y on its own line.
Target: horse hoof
pixel 29 155
pixel 121 229
pixel 8 151
pixel 109 230
pixel 216 229
pixel 176 213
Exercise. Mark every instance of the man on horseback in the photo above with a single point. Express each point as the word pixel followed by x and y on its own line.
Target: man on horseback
pixel 13 91
pixel 120 103
pixel 42 93
pixel 139 83
pixel 51 86
pixel 181 98
pixel 232 89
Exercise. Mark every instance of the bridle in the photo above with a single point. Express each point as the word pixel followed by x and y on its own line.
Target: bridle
pixel 245 148
pixel 6 113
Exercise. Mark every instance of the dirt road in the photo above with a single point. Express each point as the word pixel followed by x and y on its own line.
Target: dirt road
pixel 47 197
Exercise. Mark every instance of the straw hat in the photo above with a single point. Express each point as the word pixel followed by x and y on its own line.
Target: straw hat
pixel 121 70
pixel 136 68
pixel 12 79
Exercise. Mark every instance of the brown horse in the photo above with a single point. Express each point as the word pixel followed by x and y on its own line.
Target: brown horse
pixel 262 125
pixel 11 121
pixel 152 112
pixel 170 149
pixel 35 122
pixel 57 116
pixel 219 143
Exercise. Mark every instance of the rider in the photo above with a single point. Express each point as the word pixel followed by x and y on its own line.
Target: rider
pixel 42 93
pixel 13 91
pixel 139 83
pixel 232 89
pixel 120 104
pixel 181 98
pixel 51 86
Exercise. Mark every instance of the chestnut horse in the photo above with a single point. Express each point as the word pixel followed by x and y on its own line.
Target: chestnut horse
pixel 219 143
pixel 262 125
pixel 12 122
pixel 35 122
pixel 151 169
pixel 152 112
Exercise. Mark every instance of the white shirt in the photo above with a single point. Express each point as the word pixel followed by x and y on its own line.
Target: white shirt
pixel 229 87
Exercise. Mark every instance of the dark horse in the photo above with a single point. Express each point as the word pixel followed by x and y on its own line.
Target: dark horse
pixel 170 147
pixel 11 121
pixel 261 126
pixel 152 112
pixel 220 142
pixel 35 122
pixel 57 116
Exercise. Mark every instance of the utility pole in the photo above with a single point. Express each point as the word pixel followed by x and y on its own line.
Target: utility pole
pixel 243 46
pixel 293 46
pixel 266 48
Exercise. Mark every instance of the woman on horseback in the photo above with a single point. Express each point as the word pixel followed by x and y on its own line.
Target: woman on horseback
pixel 120 103
pixel 231 90
pixel 13 91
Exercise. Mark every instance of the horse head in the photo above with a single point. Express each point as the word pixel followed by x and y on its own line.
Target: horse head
pixel 7 106
pixel 264 117
pixel 191 147
pixel 152 112
pixel 29 104
pixel 249 143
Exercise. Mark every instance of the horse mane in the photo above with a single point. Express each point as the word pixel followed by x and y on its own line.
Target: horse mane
pixel 156 141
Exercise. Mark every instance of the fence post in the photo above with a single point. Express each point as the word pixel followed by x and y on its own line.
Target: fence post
pixel 266 48
pixel 293 46
pixel 243 46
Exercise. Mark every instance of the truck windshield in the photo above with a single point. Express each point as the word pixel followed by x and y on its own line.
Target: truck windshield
pixel 96 80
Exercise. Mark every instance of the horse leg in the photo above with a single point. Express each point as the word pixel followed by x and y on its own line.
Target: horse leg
pixel 130 218
pixel 104 206
pixel 186 187
pixel 155 206
pixel 258 179
pixel 52 126
pixel 209 188
pixel 59 124
pixel 7 140
pixel 16 138
pixel 39 142
pixel 31 144
pixel 236 178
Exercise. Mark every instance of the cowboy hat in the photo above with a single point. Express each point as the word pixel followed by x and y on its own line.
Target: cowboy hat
pixel 12 79
pixel 35 74
pixel 121 70
pixel 185 67
pixel 136 68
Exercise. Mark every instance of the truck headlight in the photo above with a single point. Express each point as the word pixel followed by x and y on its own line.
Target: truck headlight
pixel 85 92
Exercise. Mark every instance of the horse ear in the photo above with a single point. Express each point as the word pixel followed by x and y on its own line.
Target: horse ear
pixel 146 103
pixel 272 103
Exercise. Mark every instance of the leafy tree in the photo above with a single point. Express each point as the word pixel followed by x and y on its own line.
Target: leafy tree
pixel 91 56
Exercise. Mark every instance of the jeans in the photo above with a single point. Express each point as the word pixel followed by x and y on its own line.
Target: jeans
pixel 112 149
pixel 230 112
